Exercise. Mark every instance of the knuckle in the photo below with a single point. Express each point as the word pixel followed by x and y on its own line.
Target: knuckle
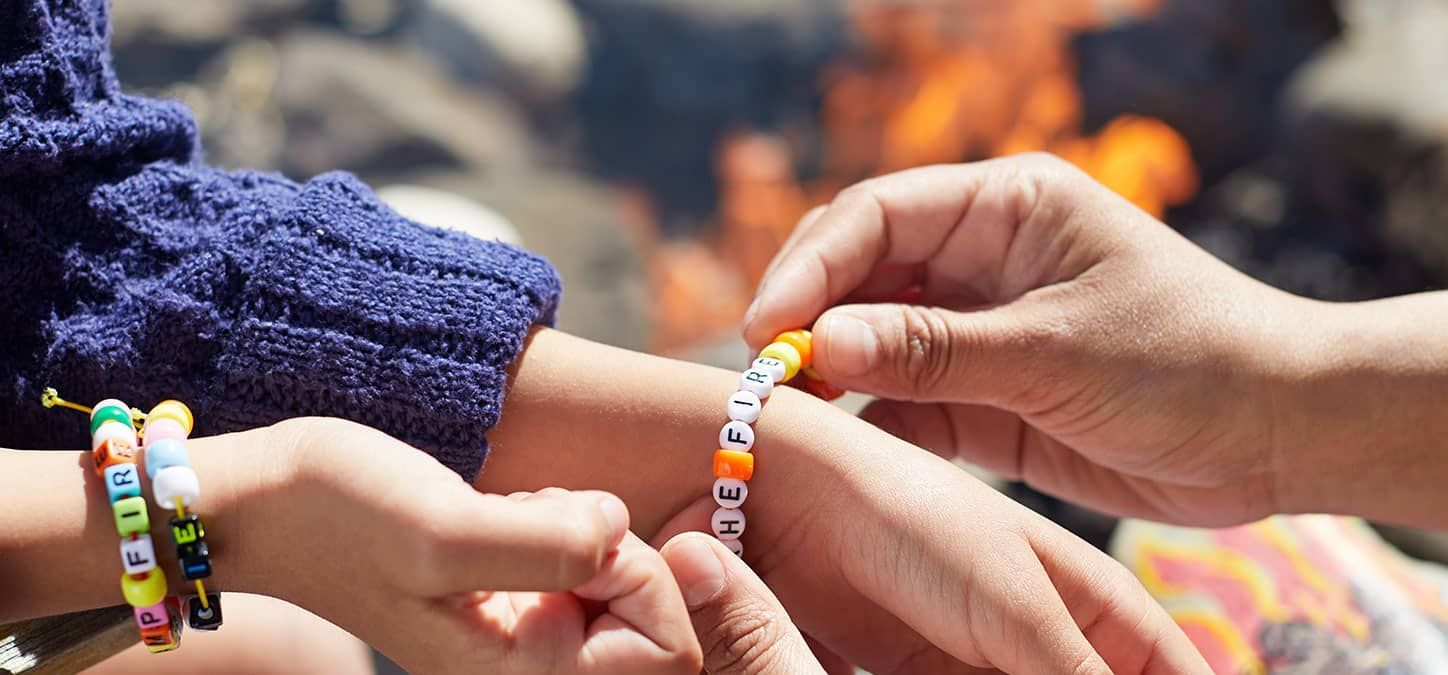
pixel 1091 664
pixel 745 639
pixel 579 546
pixel 927 349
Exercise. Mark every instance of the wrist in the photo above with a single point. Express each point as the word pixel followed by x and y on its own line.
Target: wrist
pixel 1363 429
pixel 245 478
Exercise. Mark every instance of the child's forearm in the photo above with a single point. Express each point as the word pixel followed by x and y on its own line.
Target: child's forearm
pixel 583 415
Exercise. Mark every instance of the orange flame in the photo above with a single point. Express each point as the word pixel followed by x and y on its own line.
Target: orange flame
pixel 939 81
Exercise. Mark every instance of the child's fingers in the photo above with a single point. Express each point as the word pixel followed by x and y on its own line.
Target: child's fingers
pixel 646 628
pixel 694 518
pixel 740 624
pixel 551 540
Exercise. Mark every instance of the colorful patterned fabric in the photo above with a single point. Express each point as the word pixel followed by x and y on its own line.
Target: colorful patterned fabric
pixel 1294 594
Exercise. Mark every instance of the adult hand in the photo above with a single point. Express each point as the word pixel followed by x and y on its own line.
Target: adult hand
pixel 1022 316
pixel 387 543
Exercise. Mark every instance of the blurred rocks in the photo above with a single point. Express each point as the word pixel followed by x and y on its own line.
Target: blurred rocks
pixel 312 102
pixel 582 227
pixel 533 49
pixel 443 209
pixel 1319 128
pixel 1389 65
pixel 212 21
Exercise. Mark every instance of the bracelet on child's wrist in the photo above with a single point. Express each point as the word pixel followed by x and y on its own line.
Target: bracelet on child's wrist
pixel 115 446
pixel 787 356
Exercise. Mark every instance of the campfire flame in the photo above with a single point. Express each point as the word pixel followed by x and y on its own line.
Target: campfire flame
pixel 938 81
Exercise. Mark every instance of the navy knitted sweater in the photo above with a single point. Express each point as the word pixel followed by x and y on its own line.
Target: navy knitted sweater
pixel 129 268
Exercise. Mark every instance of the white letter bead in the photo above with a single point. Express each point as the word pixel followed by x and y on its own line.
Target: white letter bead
pixel 138 555
pixel 774 367
pixel 744 407
pixel 757 382
pixel 730 493
pixel 736 435
pixel 173 482
pixel 734 545
pixel 728 523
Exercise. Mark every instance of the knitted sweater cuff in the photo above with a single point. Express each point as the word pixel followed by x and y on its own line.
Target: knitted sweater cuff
pixel 346 309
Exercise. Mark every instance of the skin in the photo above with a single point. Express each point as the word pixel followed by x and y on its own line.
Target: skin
pixel 885 555
pixel 396 549
pixel 1017 314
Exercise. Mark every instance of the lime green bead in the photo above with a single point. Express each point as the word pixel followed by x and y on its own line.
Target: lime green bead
pixel 108 414
pixel 131 516
pixel 144 590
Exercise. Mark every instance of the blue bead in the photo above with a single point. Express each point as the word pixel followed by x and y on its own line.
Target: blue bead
pixel 166 452
pixel 122 481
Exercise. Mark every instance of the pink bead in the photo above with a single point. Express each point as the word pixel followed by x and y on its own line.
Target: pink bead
pixel 152 616
pixel 160 428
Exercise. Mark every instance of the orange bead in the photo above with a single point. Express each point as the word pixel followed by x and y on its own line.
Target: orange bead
pixel 114 451
pixel 161 638
pixel 733 464
pixel 800 340
pixel 814 384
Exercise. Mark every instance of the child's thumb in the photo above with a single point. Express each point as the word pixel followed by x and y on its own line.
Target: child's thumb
pixel 741 626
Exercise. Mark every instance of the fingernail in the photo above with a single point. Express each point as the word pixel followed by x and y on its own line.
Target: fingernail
pixel 697 569
pixel 616 514
pixel 851 345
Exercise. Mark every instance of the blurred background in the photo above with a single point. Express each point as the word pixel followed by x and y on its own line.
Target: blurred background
pixel 659 150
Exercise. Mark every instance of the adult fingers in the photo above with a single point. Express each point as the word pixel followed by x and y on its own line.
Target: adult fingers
pixel 1124 624
pixel 968 214
pixel 1002 443
pixel 914 353
pixel 550 540
pixel 646 627
pixel 987 436
pixel 740 625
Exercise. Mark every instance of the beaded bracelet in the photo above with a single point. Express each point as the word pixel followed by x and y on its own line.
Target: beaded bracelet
pixel 113 448
pixel 789 355
pixel 174 486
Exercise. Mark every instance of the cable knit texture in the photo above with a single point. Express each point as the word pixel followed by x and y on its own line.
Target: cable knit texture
pixel 128 268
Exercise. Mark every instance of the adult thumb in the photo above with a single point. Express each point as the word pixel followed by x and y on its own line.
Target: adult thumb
pixel 741 626
pixel 918 353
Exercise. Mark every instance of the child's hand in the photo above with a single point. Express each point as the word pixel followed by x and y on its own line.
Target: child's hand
pixel 899 562
pixel 390 545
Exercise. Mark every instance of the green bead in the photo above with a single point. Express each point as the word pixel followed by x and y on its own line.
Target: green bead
pixel 110 413
pixel 131 516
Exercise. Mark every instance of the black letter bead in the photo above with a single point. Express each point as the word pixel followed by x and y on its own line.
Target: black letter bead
pixel 204 618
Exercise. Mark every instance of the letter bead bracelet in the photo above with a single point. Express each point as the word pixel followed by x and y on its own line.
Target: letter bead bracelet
pixel 114 450
pixel 789 355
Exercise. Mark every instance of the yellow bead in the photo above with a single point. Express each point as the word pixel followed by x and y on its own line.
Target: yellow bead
pixel 175 410
pixel 145 589
pixel 784 352
pixel 801 340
